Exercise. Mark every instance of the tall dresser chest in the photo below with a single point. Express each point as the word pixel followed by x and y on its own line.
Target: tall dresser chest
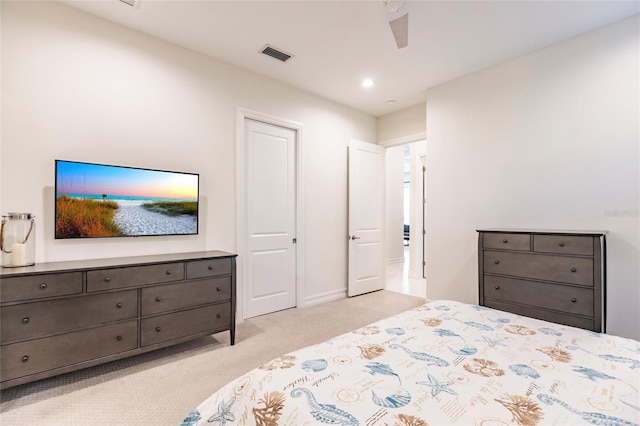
pixel 553 275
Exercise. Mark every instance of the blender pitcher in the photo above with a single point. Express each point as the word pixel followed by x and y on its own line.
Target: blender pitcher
pixel 17 240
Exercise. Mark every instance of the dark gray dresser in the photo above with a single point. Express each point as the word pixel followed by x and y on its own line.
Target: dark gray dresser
pixel 63 316
pixel 557 276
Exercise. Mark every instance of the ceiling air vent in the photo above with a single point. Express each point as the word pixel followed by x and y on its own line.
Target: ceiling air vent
pixel 276 53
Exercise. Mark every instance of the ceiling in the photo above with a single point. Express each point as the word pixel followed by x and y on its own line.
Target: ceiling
pixel 336 44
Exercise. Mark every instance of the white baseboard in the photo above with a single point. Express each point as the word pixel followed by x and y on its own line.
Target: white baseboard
pixel 325 297
pixel 395 260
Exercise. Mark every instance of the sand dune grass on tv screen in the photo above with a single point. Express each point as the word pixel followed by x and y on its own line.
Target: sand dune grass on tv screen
pixel 85 218
pixel 95 218
pixel 173 208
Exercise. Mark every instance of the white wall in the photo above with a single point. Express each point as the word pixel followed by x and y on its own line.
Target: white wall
pixel 547 140
pixel 407 125
pixel 77 87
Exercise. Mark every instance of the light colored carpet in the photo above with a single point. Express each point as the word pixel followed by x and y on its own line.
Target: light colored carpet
pixel 162 387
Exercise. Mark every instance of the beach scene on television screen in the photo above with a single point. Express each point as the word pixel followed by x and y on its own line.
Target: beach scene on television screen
pixel 95 200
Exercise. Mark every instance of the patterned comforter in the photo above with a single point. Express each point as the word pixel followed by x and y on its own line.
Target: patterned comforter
pixel 441 363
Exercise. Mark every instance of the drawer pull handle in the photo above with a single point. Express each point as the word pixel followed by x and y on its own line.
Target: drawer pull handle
pixel 168 272
pixel 158 299
pixel 25 358
pixel 118 305
pixel 573 269
pixel 118 338
pixel 496 262
pixel 574 300
pixel 218 289
pixel 157 329
pixel 210 268
pixel 43 286
pixel 219 315
pixel 25 320
pixel 107 279
pixel 497 287
pixel 505 241
pixel 561 244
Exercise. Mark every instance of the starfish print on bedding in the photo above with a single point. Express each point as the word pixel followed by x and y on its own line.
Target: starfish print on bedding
pixel 224 414
pixel 437 386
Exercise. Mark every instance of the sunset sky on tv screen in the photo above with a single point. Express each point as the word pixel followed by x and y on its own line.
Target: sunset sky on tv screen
pixel 84 178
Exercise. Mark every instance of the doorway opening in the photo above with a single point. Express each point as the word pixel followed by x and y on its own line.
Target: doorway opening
pixel 405 218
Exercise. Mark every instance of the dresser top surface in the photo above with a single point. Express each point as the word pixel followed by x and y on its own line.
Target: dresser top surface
pixel 48 267
pixel 544 231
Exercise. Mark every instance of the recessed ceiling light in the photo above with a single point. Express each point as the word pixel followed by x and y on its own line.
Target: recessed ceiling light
pixel 391 101
pixel 367 82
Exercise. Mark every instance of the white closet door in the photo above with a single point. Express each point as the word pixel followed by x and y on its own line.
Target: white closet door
pixel 270 282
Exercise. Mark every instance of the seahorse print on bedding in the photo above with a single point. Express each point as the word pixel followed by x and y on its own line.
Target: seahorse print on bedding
pixel 422 356
pixel 325 413
pixel 472 324
pixel 635 363
pixel 591 417
pixel 458 348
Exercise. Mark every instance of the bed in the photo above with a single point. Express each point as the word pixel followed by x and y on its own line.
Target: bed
pixel 442 363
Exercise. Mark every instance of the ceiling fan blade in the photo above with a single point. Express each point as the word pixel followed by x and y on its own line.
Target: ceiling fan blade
pixel 400 30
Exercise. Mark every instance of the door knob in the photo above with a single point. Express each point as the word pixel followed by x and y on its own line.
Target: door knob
pixel 353 237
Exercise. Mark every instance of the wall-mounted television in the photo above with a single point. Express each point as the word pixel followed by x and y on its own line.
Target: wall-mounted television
pixel 100 200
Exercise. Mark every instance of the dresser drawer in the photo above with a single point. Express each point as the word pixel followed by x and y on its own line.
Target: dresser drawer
pixel 574 270
pixel 22 359
pixel 563 244
pixel 186 323
pixel 30 320
pixel 551 316
pixel 208 268
pixel 184 295
pixel 507 241
pixel 114 278
pixel 574 300
pixel 13 289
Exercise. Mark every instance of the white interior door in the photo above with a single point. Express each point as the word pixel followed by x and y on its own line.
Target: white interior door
pixel 366 218
pixel 270 274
